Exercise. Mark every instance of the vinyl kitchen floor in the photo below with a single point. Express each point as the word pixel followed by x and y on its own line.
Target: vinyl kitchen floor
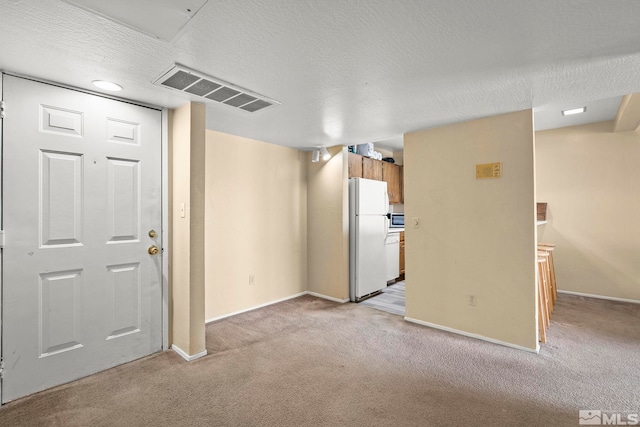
pixel 390 300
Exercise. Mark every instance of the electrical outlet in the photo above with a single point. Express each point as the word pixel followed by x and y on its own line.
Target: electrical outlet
pixel 252 280
pixel 473 300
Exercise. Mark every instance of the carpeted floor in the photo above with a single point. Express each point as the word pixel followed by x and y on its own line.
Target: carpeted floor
pixel 312 362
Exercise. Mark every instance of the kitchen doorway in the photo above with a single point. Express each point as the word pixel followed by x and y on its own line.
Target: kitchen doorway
pixel 391 299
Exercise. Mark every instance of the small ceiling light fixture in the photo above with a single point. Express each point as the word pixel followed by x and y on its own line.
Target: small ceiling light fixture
pixel 325 153
pixel 105 85
pixel 574 111
pixel 315 158
pixel 318 151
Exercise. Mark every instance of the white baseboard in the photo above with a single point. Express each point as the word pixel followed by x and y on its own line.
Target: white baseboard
pixel 479 337
pixel 580 294
pixel 184 354
pixel 341 301
pixel 213 319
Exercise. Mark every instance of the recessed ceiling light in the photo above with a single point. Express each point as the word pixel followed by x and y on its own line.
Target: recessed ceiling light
pixel 574 111
pixel 103 84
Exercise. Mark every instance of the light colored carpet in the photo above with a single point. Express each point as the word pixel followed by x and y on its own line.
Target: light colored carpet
pixel 312 362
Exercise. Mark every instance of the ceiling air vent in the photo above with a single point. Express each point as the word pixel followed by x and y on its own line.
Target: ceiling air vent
pixel 196 83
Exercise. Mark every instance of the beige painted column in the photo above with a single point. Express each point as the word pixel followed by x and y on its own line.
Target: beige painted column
pixel 187 166
pixel 328 226
pixel 628 117
pixel 471 257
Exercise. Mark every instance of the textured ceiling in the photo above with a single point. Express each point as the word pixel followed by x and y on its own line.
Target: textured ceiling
pixel 346 72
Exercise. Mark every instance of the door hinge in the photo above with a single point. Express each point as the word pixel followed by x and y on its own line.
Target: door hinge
pixel 1 369
pixel 2 109
pixel 1 239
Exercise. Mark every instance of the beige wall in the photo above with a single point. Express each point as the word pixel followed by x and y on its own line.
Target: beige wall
pixel 328 225
pixel 187 152
pixel 590 178
pixel 256 210
pixel 476 237
pixel 398 156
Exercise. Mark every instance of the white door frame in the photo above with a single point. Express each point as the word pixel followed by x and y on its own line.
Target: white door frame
pixel 166 297
pixel 164 207
pixel 1 240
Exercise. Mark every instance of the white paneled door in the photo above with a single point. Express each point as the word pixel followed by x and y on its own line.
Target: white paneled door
pixel 82 194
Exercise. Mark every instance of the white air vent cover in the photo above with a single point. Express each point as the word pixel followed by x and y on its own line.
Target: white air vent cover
pixel 196 83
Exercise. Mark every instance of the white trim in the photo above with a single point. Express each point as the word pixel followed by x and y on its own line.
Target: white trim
pixel 1 227
pixel 213 319
pixel 184 354
pixel 164 234
pixel 341 301
pixel 580 294
pixel 468 334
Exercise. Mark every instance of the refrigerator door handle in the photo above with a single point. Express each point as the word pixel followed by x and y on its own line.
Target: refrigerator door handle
pixel 386 226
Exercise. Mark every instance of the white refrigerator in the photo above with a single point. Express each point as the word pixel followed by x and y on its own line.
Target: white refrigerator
pixel 368 207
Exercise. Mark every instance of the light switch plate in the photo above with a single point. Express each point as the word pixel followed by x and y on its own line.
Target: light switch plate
pixel 489 170
pixel 415 221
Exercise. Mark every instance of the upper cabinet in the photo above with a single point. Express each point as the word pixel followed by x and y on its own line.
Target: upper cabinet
pixel 371 169
pixel 365 167
pixel 355 165
pixel 392 174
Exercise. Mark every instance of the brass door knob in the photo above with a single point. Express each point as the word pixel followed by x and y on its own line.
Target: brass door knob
pixel 153 250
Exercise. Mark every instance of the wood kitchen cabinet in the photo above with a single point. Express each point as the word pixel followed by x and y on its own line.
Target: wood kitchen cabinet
pixel 371 169
pixel 355 165
pixel 402 254
pixel 392 174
